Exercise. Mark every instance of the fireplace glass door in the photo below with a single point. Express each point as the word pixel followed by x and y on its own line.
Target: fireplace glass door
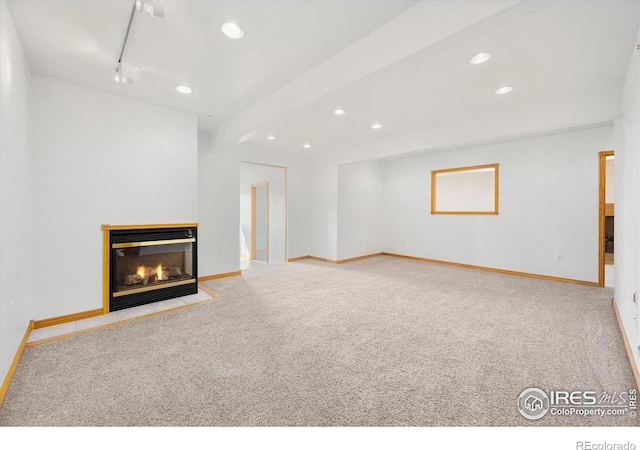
pixel 150 265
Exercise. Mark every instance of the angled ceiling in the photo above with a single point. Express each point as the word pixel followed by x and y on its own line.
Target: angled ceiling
pixel 402 64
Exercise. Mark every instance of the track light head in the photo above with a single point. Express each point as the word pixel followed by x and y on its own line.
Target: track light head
pixel 121 77
pixel 153 7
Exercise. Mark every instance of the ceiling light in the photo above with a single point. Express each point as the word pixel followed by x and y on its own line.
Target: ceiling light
pixel 118 76
pixel 307 146
pixel 504 90
pixel 339 112
pixel 480 58
pixel 183 88
pixel 271 138
pixel 232 30
pixel 121 77
pixel 153 7
pixel 376 126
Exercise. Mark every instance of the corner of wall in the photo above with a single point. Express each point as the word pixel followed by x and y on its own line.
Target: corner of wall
pixel 627 199
pixel 16 193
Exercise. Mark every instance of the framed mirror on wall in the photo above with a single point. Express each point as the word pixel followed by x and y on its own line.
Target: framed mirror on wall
pixel 465 190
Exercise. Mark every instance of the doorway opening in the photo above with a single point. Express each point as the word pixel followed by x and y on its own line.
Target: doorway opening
pixel 263 214
pixel 606 272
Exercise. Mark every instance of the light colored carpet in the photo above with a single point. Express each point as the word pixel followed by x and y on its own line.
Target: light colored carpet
pixel 378 342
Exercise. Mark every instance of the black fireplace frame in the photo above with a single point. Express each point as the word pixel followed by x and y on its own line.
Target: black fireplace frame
pixel 146 233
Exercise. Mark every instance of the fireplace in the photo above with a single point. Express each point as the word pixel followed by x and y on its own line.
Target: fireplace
pixel 149 263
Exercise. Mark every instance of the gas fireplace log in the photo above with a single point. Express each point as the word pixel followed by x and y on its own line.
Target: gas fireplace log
pixel 148 273
pixel 145 274
pixel 164 276
pixel 132 279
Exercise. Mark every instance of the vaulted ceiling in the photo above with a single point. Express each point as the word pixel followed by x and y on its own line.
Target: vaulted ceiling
pixel 401 64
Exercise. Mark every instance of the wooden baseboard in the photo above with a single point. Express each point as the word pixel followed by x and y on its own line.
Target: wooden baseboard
pixel 14 364
pixel 358 258
pixel 437 261
pixel 491 269
pixel 298 258
pixel 632 360
pixel 316 258
pixel 333 261
pixel 330 261
pixel 68 318
pixel 220 275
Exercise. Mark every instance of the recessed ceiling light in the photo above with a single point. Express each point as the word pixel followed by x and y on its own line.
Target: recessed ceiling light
pixel 183 88
pixel 504 90
pixel 306 146
pixel 271 138
pixel 480 58
pixel 376 126
pixel 232 30
pixel 339 112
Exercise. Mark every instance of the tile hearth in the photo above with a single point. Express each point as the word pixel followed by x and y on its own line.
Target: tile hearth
pixel 117 316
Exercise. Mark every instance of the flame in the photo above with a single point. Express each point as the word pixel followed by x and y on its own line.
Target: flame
pixel 159 272
pixel 140 271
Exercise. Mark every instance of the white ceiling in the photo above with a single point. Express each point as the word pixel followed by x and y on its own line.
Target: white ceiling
pixel 400 63
pixel 80 40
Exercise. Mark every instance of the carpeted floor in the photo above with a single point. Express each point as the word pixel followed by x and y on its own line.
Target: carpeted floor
pixel 378 342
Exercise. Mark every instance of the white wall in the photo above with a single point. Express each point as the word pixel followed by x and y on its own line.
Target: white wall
pixel 359 209
pixel 323 198
pixel 548 205
pixel 251 174
pixel 218 210
pixel 16 194
pixel 100 159
pixel 627 219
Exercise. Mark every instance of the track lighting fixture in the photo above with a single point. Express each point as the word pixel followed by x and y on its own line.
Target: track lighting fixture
pixel 153 7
